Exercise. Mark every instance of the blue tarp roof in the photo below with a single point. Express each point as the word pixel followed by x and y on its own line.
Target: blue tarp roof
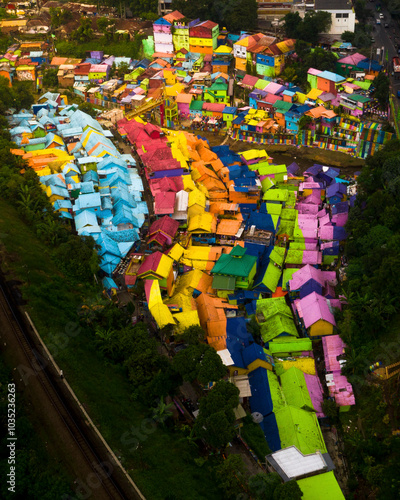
pixel 271 432
pixel 260 400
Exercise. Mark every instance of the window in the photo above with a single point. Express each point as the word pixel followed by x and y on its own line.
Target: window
pixel 345 16
pixel 338 16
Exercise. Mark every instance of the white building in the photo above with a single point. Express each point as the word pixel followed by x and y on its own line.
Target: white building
pixel 342 12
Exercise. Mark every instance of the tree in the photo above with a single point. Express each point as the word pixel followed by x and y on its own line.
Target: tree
pixel 199 361
pixel 123 69
pixel 84 33
pixel 215 421
pixel 292 24
pixel 162 412
pixel 309 28
pixel 348 36
pixel 262 486
pixel 192 335
pixel 78 258
pixel 59 17
pixel 320 59
pixel 88 108
pixel 288 491
pixel 381 84
pixel 231 476
pixel 304 122
pixel 50 79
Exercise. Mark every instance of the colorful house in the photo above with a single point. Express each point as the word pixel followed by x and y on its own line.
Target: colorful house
pixel 162 232
pixel 158 266
pixel 315 315
pixel 203 37
pixel 237 266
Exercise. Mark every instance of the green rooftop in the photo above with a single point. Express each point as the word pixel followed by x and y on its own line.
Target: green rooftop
pixel 236 263
pixel 295 389
pixel 289 214
pixel 196 105
pixel 278 399
pixel 272 276
pixel 274 208
pixel 282 106
pixel 288 345
pixel 287 275
pixel 322 484
pixel 275 305
pixel 294 256
pixel 278 255
pixel 278 325
pixel 300 428
pixel 281 195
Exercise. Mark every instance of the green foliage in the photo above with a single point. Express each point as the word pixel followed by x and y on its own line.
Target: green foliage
pixel 18 96
pixel 348 36
pixel 235 15
pixel 262 486
pixel 231 476
pixel 38 475
pixel 215 422
pixel 78 258
pixel 288 491
pixel 59 17
pixel 369 325
pixel 87 107
pixel 144 8
pixel 84 33
pixel 309 28
pixel 50 79
pixel 201 362
pixel 119 45
pixel 381 84
pixel 192 335
pixel 254 437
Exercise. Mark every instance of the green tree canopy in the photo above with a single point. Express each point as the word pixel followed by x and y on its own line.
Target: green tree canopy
pixel 381 84
pixel 262 486
pixel 235 15
pixel 84 33
pixel 199 361
pixel 215 421
pixel 309 28
pixel 288 491
pixel 50 79
pixel 231 476
pixel 78 258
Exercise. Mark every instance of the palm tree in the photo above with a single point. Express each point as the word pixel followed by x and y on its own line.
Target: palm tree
pixel 162 412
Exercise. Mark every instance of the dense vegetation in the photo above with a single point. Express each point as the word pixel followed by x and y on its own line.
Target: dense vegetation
pixel 235 15
pixel 36 475
pixel 370 323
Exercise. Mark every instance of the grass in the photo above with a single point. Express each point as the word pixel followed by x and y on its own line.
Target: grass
pixel 163 464
pixel 254 437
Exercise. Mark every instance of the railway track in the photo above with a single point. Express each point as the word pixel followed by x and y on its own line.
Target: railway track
pixel 105 478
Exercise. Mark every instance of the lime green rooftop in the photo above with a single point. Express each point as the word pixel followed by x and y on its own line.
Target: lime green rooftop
pixel 278 255
pixel 281 195
pixel 300 428
pixel 278 325
pixel 320 486
pixel 272 276
pixel 295 389
pixel 286 345
pixel 287 275
pixel 275 305
pixel 274 208
pixel 278 399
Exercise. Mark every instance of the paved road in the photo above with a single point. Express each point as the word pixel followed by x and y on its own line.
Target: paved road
pixel 389 38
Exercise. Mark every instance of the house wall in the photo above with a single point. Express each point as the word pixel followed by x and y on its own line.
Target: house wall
pixel 162 38
pixel 326 85
pixel 167 48
pixel 320 328
pixel 265 70
pixel 342 20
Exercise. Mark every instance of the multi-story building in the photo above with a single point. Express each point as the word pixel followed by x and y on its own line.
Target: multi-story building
pixel 203 37
pixel 342 12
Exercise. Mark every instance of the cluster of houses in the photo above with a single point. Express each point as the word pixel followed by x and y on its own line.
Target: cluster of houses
pixel 227 241
pixel 236 240
pixel 88 181
pixel 196 75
